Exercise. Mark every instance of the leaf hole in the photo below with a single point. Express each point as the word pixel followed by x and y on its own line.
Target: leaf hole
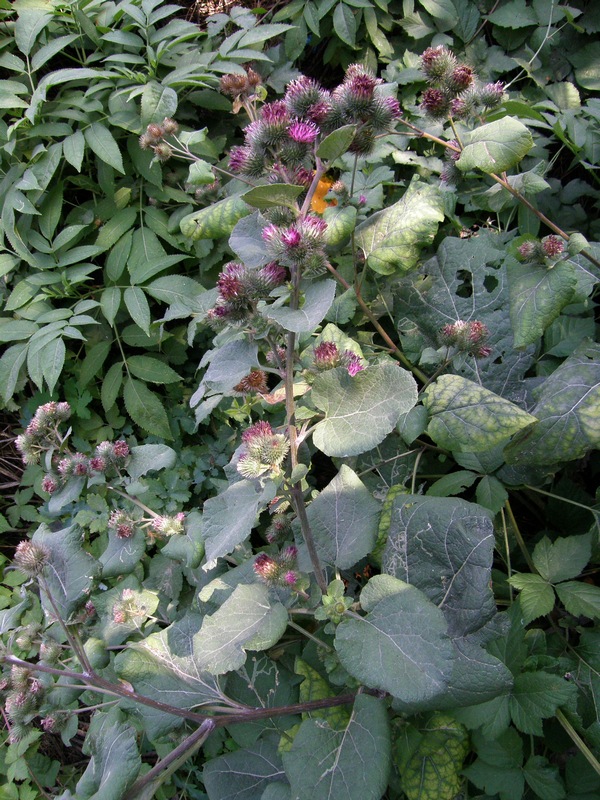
pixel 465 287
pixel 490 283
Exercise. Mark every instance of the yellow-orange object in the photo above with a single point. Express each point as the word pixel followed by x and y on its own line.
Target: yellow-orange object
pixel 318 204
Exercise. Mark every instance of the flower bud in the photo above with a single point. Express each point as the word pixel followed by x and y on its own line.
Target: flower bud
pixel 436 63
pixel 31 558
pixel 49 484
pixel 435 103
pixel 170 127
pixel 553 246
pixel 163 152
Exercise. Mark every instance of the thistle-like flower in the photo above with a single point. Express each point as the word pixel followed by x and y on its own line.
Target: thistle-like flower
pixel 552 246
pixel 467 337
pixel 264 450
pixel 31 558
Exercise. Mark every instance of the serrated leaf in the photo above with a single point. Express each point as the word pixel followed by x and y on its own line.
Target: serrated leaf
pixel 349 765
pixel 562 559
pixel 343 518
pixel 137 305
pixel 215 221
pixel 361 410
pixel 544 778
pixel 336 143
pixel 580 599
pixel 176 290
pixel 110 300
pixel 164 667
pixel 244 774
pixel 567 413
pixel 536 696
pixel 537 296
pixel 393 238
pixel 444 547
pixel 111 386
pixel 273 195
pixel 70 571
pixel 157 103
pixel 150 457
pixel 466 417
pixel 536 596
pixel 490 493
pixel 318 298
pixel 401 646
pixel 74 149
pixel 107 777
pixel 52 357
pixel 101 142
pixel 115 227
pixel 10 366
pixel 145 409
pixel 514 14
pixel 152 370
pixel 498 768
pixel 344 24
pixel 496 146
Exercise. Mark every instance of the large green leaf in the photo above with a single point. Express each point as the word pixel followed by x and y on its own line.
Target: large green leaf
pixel 146 409
pixel 138 307
pixel 336 143
pixel 215 221
pixel 158 102
pixel 360 410
pixel 563 559
pixel 444 547
pixel 318 298
pixel 247 243
pixel 122 555
pixel 166 667
pixel 273 195
pixel 244 774
pixel 150 457
pixel 152 370
pixel 466 417
pixel 114 761
pixel 465 281
pixel 579 598
pixel 352 764
pixel 568 413
pixel 343 518
pixel 227 366
pixel 229 517
pixel 70 571
pixel 245 621
pixel 393 238
pixel 496 146
pixel 401 646
pixel 537 296
pixel 536 596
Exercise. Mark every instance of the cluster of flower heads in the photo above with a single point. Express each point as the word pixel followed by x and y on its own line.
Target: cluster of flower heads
pixel 153 138
pixel 107 456
pixel 287 130
pixel 299 245
pixel 454 89
pixel 24 695
pixel 128 608
pixel 536 252
pixel 42 431
pixel 279 570
pixel 467 337
pixel 327 356
pixel 240 288
pixel 264 451
pixel 240 86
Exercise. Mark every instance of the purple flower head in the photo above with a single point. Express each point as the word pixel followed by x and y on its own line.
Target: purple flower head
pixel 291 237
pixel 362 200
pixel 49 484
pixel 304 132
pixel 121 449
pixel 326 355
pixel 435 103
pixel 393 106
pixel 527 250
pixel 319 111
pixel 553 246
pixel 461 78
pixel 290 577
pixel 302 95
pixel 257 431
pixel 274 113
pixel 352 362
pixel 288 556
pixel 98 464
pixel 458 108
pixel 266 567
pixel 491 94
pixel 80 464
pixel 270 233
pixel 230 283
pixel 360 83
pixel 238 159
pixel 273 274
pixel 437 62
